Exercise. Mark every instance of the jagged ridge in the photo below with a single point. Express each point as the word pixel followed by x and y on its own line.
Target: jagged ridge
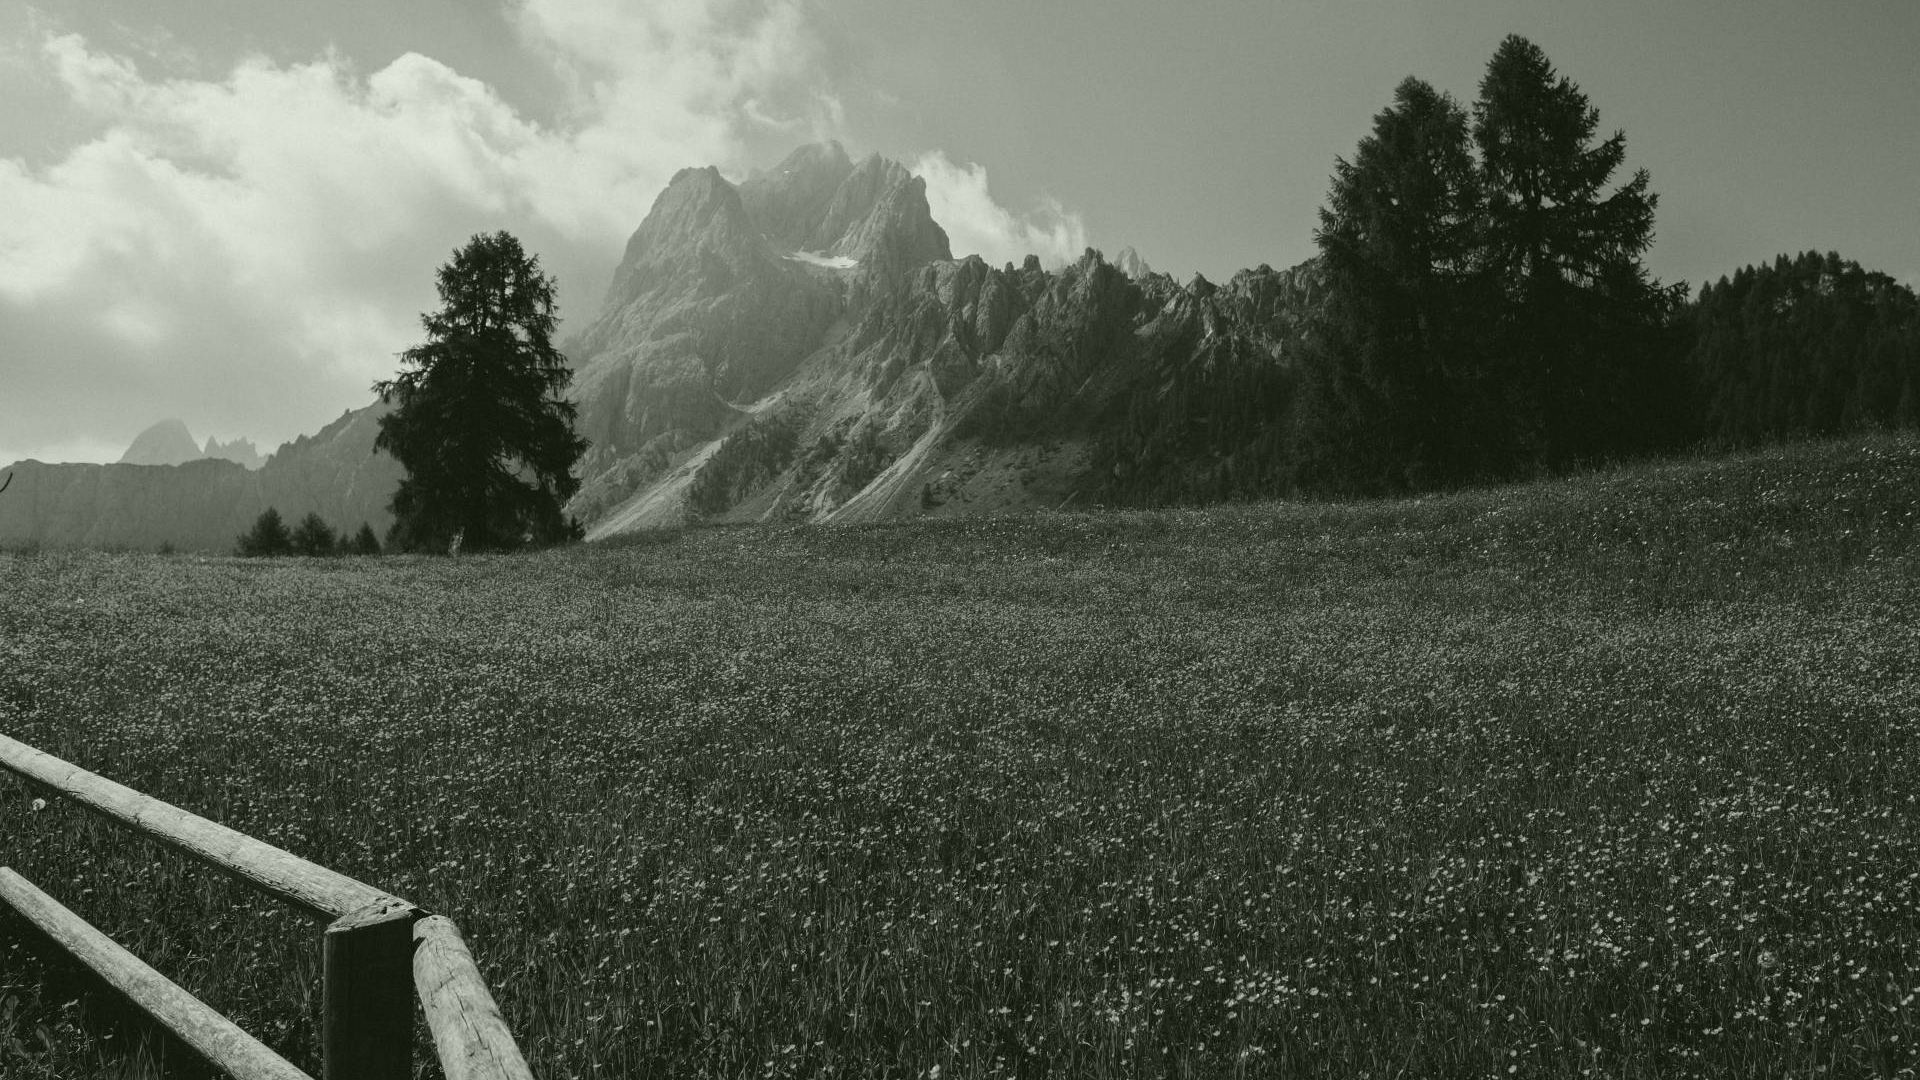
pixel 911 382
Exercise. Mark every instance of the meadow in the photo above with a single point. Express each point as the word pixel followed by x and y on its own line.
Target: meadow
pixel 1613 775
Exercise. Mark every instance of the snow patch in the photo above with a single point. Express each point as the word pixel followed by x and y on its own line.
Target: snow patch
pixel 831 262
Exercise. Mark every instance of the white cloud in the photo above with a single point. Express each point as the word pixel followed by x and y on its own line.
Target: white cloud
pixel 249 252
pixel 976 224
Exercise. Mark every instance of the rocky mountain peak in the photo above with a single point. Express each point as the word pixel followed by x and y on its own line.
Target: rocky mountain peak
pixel 241 452
pixel 697 226
pixel 165 443
pixel 789 201
pixel 1129 262
pixel 803 345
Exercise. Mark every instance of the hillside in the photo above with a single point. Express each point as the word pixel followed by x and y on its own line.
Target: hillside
pixel 1617 766
pixel 204 503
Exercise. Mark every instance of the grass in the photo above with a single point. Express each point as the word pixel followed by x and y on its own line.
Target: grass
pixel 1607 776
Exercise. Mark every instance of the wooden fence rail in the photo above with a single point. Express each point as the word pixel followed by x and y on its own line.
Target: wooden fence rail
pixel 211 1035
pixel 377 952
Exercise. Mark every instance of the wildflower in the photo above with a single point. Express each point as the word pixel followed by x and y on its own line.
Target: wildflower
pixel 39 805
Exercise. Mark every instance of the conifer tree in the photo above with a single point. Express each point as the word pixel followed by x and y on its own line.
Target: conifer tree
pixel 1582 320
pixel 1809 345
pixel 1394 393
pixel 481 427
pixel 312 536
pixel 268 536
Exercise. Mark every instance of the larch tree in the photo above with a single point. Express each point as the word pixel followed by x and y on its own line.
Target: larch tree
pixel 1582 319
pixel 480 422
pixel 1394 394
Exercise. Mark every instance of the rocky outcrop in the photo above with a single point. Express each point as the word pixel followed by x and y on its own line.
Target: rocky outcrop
pixel 202 505
pixel 165 443
pixel 241 452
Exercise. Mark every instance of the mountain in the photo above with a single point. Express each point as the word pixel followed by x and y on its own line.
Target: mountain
pixel 165 443
pixel 725 290
pixel 202 504
pixel 1131 264
pixel 170 443
pixel 240 451
pixel 803 346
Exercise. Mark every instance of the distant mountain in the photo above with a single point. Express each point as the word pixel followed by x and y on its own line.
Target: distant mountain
pixel 170 443
pixel 1131 264
pixel 240 451
pixel 202 505
pixel 165 443
pixel 803 346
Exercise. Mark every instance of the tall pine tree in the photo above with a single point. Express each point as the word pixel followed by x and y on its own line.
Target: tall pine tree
pixel 1394 397
pixel 1585 352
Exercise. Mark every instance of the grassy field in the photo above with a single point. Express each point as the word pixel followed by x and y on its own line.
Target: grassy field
pixel 1610 776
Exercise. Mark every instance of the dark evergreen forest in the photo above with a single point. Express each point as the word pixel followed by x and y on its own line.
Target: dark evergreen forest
pixel 1488 316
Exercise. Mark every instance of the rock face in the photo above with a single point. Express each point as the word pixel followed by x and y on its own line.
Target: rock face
pixel 165 443
pixel 803 347
pixel 203 504
pixel 722 294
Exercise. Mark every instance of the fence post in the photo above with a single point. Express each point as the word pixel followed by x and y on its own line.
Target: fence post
pixel 366 1027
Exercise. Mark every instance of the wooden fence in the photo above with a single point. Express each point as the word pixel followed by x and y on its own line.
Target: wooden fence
pixel 376 952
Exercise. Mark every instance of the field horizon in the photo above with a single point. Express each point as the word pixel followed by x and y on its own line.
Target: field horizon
pixel 1609 774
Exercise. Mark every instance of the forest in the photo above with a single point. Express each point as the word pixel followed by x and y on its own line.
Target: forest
pixel 1488 315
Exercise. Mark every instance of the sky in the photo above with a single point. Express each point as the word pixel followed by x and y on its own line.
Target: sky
pixel 230 211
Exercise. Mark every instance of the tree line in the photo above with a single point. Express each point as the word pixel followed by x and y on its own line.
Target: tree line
pixel 1488 315
pixel 1812 345
pixel 270 536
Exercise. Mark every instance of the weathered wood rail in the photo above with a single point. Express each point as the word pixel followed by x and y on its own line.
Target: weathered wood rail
pixel 377 952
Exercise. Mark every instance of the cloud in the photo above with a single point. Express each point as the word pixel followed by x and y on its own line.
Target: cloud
pixel 976 224
pixel 249 252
